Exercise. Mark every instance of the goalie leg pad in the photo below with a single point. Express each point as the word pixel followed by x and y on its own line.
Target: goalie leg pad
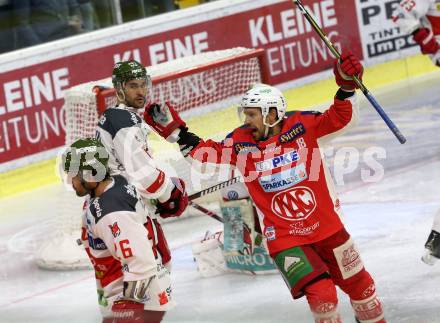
pixel 208 255
pixel 232 213
pixel 259 262
pixel 239 226
pixel 242 245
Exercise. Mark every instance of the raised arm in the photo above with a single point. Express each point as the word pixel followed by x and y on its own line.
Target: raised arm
pixel 165 120
pixel 344 112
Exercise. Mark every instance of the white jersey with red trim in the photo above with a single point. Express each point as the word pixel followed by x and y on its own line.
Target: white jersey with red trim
pixel 121 242
pixel 124 135
pixel 413 14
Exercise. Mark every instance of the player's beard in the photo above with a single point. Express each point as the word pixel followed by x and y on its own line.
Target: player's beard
pixel 137 103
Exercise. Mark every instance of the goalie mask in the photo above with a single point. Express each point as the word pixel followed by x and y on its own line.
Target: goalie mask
pixel 265 97
pixel 88 158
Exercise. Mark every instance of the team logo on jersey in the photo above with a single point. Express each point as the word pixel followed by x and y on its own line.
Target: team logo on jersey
pixel 284 179
pixel 269 233
pixel 163 298
pixel 278 161
pixel 245 147
pixel 114 228
pixel 295 204
pixel 295 131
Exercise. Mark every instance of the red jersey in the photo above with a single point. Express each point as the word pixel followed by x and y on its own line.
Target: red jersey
pixel 285 174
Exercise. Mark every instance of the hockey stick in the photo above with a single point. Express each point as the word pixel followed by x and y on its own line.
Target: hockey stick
pixel 210 190
pixel 214 188
pixel 358 82
pixel 206 211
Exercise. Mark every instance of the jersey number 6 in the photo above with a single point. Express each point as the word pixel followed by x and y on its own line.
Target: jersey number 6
pixel 125 248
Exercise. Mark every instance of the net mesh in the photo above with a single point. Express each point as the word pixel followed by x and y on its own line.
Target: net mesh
pixel 194 85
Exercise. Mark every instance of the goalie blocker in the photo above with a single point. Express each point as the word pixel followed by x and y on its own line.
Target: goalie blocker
pixel 239 247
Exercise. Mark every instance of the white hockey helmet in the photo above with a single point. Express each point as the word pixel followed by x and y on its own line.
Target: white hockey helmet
pixel 264 96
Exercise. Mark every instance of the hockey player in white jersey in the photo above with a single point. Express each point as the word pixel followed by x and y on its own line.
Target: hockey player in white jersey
pixel 124 135
pixel 421 18
pixel 132 283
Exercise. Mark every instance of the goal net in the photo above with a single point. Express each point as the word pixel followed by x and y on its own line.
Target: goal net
pixel 195 85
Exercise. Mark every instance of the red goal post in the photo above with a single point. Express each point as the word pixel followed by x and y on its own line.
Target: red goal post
pixel 194 85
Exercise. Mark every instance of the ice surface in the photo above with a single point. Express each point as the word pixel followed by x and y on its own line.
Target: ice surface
pixel 390 220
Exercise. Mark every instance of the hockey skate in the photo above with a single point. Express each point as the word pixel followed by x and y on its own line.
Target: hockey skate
pixel 432 247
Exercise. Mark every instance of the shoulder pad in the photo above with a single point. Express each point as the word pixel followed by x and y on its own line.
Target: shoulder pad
pixel 114 120
pixel 229 135
pixel 311 112
pixel 291 113
pixel 121 197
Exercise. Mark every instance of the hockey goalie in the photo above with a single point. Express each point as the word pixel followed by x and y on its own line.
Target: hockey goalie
pixel 239 247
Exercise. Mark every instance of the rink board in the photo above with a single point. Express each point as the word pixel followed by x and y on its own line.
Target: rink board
pixel 213 124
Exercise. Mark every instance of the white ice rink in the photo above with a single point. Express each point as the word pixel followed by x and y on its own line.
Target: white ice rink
pixel 389 219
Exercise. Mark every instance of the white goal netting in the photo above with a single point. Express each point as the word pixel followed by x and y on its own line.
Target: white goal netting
pixel 195 85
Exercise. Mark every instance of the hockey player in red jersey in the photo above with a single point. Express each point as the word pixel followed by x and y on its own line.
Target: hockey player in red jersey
pixel 279 156
pixel 133 285
pixel 421 18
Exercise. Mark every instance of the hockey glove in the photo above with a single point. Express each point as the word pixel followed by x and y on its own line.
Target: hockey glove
pixel 165 120
pixel 426 40
pixel 177 202
pixel 345 68
pixel 125 311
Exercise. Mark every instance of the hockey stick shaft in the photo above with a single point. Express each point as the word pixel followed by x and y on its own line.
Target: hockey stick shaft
pixel 214 188
pixel 206 211
pixel 210 190
pixel 358 82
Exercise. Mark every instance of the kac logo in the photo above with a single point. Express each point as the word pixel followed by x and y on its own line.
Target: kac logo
pixel 295 204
